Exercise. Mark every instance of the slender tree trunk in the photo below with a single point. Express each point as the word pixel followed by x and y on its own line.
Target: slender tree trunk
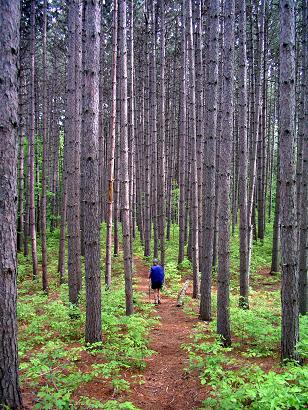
pixel 289 286
pixel 10 396
pixel 112 138
pixel 193 139
pixel 303 238
pixel 32 147
pixel 73 127
pixel 275 267
pixel 223 278
pixel 153 131
pixel 210 164
pixel 256 103
pixel 93 328
pixel 61 259
pixel 44 163
pixel 124 162
pixel 243 158
pixel 182 143
pixel 218 135
pixel 147 178
pixel 20 210
pixel 27 211
pixel 161 141
pixel 116 206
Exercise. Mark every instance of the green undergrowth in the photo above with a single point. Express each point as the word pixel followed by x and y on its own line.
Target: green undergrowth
pixel 56 363
pixel 248 375
pixel 175 273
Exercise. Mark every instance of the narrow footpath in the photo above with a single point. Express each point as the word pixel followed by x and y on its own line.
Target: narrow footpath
pixel 166 384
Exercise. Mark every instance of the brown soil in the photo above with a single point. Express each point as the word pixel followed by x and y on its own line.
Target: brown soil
pixel 265 280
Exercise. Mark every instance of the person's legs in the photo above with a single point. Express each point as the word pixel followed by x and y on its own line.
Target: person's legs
pixel 158 295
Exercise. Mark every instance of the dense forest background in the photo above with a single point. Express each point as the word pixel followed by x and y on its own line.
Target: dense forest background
pixel 133 130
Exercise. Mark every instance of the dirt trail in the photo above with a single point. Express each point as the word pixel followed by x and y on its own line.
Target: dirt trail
pixel 167 385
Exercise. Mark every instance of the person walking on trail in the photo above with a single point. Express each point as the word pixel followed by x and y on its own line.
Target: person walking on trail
pixel 157 278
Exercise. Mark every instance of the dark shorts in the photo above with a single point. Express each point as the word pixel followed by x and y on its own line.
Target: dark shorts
pixel 157 285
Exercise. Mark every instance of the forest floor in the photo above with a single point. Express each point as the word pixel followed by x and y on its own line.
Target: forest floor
pixel 163 384
pixel 166 383
pixel 162 357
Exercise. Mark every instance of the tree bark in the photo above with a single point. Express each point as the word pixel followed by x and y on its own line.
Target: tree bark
pixel 44 161
pixel 161 137
pixel 210 163
pixel 303 238
pixel 243 158
pixel 93 328
pixel 182 142
pixel 10 395
pixel 32 146
pixel 112 138
pixel 223 277
pixel 73 128
pixel 288 228
pixel 125 163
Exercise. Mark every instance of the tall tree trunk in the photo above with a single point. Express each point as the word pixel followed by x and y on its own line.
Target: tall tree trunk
pixel 93 329
pixel 112 137
pixel 147 178
pixel 73 127
pixel 21 158
pixel 256 103
pixel 275 267
pixel 223 277
pixel 32 146
pixel 289 286
pixel 243 158
pixel 210 164
pixel 303 238
pixel 10 395
pixel 27 210
pixel 182 144
pixel 44 162
pixel 193 139
pixel 61 258
pixel 153 130
pixel 125 164
pixel 161 135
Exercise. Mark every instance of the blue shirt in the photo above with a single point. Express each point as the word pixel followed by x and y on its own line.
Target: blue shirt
pixel 157 274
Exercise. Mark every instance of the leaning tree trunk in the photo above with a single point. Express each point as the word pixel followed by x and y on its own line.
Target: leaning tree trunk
pixel 125 164
pixel 223 277
pixel 93 330
pixel 288 228
pixel 10 395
